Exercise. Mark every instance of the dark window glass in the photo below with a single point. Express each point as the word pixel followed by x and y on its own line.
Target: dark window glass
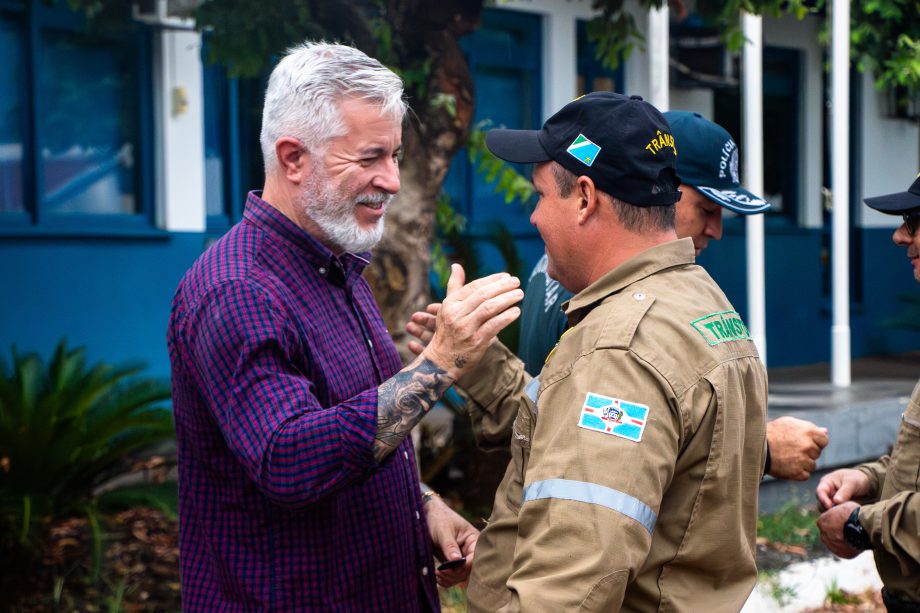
pixel 215 129
pixel 12 115
pixel 593 76
pixel 87 93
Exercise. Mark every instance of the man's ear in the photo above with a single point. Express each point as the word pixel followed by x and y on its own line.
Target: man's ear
pixel 293 158
pixel 587 198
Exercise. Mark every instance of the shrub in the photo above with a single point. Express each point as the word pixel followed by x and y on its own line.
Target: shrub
pixel 66 428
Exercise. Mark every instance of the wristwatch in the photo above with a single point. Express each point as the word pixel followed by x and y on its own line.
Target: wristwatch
pixel 854 534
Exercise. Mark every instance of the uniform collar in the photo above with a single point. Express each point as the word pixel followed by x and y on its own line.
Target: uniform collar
pixel 660 257
pixel 342 270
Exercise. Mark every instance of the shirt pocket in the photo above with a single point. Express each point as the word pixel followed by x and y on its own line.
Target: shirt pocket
pixel 905 457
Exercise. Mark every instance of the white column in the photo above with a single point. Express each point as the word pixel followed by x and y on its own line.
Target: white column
pixel 840 191
pixel 659 57
pixel 752 114
pixel 180 131
pixel 559 62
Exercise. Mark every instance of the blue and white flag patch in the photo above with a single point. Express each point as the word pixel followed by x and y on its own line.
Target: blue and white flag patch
pixel 613 416
pixel 584 150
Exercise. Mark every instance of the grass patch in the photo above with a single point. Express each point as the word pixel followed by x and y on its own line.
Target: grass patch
pixel 164 497
pixel 791 525
pixel 838 596
pixel 782 594
pixel 453 600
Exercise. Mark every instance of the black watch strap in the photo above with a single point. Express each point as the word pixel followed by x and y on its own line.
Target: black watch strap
pixel 854 534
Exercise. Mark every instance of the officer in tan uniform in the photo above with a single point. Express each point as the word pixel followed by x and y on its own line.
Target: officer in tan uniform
pixel 638 451
pixel 888 520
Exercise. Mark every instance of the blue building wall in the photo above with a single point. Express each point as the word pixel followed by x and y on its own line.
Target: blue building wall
pixel 114 295
pixel 111 295
pixel 798 290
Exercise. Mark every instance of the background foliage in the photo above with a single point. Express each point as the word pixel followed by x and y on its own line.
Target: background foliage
pixel 65 429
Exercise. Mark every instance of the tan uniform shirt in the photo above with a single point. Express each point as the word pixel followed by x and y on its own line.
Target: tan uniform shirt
pixel 636 454
pixel 893 523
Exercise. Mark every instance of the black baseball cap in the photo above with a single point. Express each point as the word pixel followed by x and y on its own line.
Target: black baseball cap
pixel 622 143
pixel 895 204
pixel 709 162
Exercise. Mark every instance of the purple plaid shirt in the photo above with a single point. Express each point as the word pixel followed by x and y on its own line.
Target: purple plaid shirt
pixel 277 349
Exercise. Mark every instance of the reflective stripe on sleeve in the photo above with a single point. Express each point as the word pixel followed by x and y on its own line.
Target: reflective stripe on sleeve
pixel 592 493
pixel 532 389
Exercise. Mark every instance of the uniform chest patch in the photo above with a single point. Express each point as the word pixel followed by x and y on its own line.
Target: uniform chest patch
pixel 613 416
pixel 721 327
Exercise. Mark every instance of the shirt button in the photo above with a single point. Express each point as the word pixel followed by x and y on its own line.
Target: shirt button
pixel 322 270
pixel 639 296
pixel 370 343
pixel 405 454
pixel 417 516
pixel 424 571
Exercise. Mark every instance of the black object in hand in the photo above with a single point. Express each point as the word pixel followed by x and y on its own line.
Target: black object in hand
pixel 452 564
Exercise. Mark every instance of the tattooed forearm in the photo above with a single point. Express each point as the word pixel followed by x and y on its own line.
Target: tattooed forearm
pixel 403 400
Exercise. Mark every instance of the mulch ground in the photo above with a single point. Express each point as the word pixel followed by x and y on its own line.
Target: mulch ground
pixel 139 572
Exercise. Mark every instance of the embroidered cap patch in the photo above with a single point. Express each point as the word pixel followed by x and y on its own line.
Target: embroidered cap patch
pixel 613 416
pixel 584 150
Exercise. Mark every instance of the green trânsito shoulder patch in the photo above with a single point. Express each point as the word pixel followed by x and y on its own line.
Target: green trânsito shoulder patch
pixel 721 327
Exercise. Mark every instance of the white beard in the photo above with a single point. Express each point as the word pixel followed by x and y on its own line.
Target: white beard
pixel 334 212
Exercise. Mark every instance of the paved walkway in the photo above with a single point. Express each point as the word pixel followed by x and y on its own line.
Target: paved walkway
pixel 862 420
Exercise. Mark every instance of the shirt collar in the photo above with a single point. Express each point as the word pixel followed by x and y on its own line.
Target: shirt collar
pixel 660 257
pixel 342 270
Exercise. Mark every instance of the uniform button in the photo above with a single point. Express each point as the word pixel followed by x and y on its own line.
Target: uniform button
pixel 639 296
pixel 370 343
pixel 424 571
pixel 322 270
pixel 417 516
pixel 405 454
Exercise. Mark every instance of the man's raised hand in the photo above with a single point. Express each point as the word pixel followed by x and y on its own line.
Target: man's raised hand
pixel 470 317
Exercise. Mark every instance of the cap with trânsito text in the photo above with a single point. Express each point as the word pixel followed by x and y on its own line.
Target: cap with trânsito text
pixel 895 204
pixel 622 143
pixel 709 162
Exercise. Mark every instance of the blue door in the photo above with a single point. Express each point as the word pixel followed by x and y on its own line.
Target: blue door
pixel 504 55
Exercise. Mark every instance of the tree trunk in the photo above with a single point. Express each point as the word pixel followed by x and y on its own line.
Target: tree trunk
pixel 399 272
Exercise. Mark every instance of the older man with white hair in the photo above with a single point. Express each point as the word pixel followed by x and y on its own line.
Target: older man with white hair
pixel 298 489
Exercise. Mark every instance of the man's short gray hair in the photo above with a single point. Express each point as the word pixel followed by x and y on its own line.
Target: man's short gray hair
pixel 639 219
pixel 308 84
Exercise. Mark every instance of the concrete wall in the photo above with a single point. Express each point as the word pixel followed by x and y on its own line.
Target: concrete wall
pixel 890 156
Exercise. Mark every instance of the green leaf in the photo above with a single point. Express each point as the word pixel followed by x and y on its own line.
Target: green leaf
pixel 66 427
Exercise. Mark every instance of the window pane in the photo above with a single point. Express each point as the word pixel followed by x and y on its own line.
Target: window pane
pixel 215 127
pixel 12 115
pixel 88 99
